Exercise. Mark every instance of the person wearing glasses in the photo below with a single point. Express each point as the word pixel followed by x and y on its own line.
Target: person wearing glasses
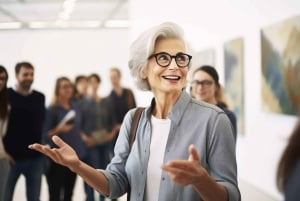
pixel 173 156
pixel 205 86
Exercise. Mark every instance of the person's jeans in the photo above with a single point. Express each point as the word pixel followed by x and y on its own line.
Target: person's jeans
pixel 97 157
pixel 32 169
pixel 92 159
pixel 4 171
pixel 61 182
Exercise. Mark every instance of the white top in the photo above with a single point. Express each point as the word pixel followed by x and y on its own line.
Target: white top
pixel 160 133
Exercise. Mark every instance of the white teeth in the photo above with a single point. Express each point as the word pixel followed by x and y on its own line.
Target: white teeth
pixel 171 77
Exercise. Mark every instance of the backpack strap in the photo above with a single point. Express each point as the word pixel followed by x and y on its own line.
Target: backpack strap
pixel 134 125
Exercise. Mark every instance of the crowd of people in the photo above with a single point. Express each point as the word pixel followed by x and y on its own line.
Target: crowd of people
pixel 184 146
pixel 88 122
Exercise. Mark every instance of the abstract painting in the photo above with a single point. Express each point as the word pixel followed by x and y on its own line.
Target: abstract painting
pixel 280 67
pixel 234 85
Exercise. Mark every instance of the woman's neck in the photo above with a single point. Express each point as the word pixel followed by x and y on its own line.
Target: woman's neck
pixel 64 102
pixel 213 101
pixel 94 95
pixel 164 103
pixel 96 98
pixel 118 90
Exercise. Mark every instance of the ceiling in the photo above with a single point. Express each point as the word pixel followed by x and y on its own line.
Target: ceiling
pixel 63 14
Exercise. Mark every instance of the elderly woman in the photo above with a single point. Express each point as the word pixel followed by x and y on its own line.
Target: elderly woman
pixel 184 150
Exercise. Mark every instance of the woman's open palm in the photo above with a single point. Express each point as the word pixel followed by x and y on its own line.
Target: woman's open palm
pixel 63 154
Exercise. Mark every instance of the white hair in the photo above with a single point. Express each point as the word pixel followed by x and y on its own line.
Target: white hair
pixel 143 47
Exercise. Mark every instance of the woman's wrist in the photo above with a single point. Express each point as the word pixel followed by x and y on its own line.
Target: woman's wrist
pixel 76 166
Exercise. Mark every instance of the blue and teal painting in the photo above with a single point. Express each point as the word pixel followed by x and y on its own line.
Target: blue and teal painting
pixel 280 67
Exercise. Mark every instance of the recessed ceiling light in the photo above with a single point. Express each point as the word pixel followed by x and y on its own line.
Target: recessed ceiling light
pixel 64 24
pixel 116 24
pixel 10 25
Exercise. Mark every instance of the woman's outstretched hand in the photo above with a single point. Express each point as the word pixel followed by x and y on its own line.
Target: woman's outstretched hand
pixel 63 154
pixel 185 172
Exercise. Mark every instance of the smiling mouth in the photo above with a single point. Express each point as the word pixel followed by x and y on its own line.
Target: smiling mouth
pixel 171 77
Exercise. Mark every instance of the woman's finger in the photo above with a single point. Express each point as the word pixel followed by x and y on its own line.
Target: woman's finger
pixel 58 141
pixel 37 147
pixel 193 155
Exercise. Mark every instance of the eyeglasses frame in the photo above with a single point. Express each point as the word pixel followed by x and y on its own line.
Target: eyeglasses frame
pixel 172 57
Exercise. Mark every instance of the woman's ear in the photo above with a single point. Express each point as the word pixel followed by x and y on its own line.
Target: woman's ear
pixel 143 74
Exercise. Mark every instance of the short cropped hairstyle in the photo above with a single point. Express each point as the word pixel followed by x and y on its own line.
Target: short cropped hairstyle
pixel 23 64
pixel 78 78
pixel 143 47
pixel 117 70
pixel 96 76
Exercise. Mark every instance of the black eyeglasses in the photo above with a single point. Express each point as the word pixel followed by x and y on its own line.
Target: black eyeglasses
pixel 164 59
pixel 204 83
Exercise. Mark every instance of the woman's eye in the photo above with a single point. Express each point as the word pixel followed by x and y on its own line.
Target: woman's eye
pixel 163 57
pixel 180 58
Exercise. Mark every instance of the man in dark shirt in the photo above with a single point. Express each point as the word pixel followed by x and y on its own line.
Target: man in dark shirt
pixel 24 128
pixel 122 98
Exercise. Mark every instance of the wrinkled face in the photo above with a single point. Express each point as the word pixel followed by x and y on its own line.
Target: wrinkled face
pixel 3 80
pixel 203 87
pixel 168 79
pixel 25 78
pixel 65 89
pixel 115 78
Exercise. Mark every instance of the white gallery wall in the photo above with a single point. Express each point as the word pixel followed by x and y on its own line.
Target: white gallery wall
pixel 66 53
pixel 208 24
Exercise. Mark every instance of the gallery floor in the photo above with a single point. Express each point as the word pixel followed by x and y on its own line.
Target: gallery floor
pixel 249 192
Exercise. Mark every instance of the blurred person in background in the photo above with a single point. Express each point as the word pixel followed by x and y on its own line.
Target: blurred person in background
pixel 63 118
pixel 205 86
pixel 80 96
pixel 80 89
pixel 122 99
pixel 288 172
pixel 4 112
pixel 99 129
pixel 25 122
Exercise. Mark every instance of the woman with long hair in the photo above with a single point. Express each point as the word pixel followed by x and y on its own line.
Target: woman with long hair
pixel 63 118
pixel 4 112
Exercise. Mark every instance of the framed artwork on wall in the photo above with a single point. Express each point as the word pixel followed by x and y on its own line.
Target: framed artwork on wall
pixel 234 79
pixel 280 67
